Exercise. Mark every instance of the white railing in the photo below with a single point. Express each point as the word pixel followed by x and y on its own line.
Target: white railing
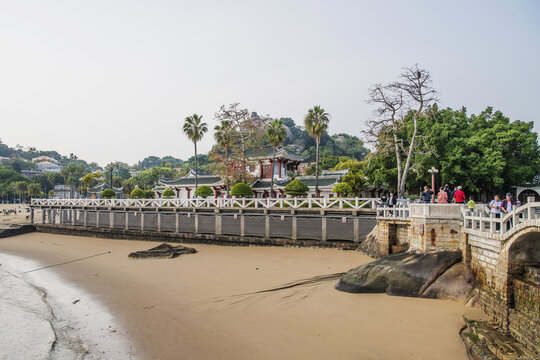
pixel 402 211
pixel 525 215
pixel 267 203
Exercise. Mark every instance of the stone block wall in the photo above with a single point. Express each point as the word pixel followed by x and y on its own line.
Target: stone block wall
pixel 435 234
pixel 392 236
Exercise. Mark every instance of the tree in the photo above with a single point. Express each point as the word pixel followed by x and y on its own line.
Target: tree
pixel 195 129
pixel 51 193
pixel 316 124
pixel 275 134
pixel 241 190
pixel 128 186
pixel 137 194
pixel 168 194
pixel 296 188
pixel 412 95
pixel 108 194
pixel 203 191
pixel 88 181
pixel 342 189
pixel 224 136
pixel 34 190
pixel 21 187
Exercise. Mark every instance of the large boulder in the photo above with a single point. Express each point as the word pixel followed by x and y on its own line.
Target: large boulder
pixel 402 274
pixel 456 283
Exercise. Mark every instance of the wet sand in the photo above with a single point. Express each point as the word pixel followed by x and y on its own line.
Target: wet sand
pixel 192 307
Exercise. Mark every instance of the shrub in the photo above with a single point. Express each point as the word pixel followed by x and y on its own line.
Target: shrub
pixel 203 191
pixel 137 194
pixel 241 190
pixel 51 193
pixel 296 188
pixel 108 194
pixel 168 194
pixel 149 194
pixel 343 189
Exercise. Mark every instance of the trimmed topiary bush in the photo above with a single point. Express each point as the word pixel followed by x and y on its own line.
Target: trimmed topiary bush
pixel 149 194
pixel 296 188
pixel 342 189
pixel 168 194
pixel 241 190
pixel 51 193
pixel 204 191
pixel 108 194
pixel 137 194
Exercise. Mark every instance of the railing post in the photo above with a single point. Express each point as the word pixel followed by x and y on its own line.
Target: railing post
pixel 177 222
pixel 242 224
pixel 294 226
pixel 218 222
pixel 266 224
pixel 85 221
pixel 158 220
pixel 73 211
pixel 142 220
pixel 323 226
pixel 111 218
pixel 196 220
pixel 126 225
pixel 356 234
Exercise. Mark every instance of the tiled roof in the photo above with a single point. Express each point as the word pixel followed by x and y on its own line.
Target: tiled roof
pixel 186 181
pixel 267 152
pixel 324 181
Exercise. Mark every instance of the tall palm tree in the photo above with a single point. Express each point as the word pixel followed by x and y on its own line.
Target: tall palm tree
pixel 275 134
pixel 194 129
pixel 223 136
pixel 316 124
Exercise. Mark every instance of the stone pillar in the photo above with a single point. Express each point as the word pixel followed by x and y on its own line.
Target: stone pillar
pixel 85 218
pixel 97 218
pixel 356 235
pixel 294 227
pixel 111 219
pixel 159 221
pixel 42 216
pixel 196 222
pixel 73 216
pixel 217 222
pixel 242 224
pixel 266 224
pixel 323 226
pixel 126 225
pixel 435 227
pixel 142 220
pixel 177 222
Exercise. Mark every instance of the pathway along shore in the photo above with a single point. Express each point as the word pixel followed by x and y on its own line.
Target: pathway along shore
pixel 213 304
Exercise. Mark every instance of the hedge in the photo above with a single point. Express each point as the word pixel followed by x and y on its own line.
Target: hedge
pixel 296 188
pixel 149 194
pixel 241 190
pixel 204 191
pixel 108 194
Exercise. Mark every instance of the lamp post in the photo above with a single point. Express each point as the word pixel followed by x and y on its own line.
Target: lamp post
pixel 433 171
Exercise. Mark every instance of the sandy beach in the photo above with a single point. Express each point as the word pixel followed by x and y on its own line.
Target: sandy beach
pixel 20 217
pixel 209 305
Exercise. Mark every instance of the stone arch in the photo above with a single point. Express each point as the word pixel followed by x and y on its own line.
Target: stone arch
pixel 519 282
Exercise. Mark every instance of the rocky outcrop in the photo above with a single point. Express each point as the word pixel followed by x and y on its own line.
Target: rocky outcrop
pixel 163 251
pixel 369 245
pixel 410 274
pixel 456 283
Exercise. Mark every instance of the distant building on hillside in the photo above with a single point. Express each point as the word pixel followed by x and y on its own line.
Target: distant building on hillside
pixel 48 167
pixel 3 159
pixel 44 158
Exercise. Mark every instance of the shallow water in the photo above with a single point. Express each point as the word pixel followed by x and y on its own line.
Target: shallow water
pixel 42 317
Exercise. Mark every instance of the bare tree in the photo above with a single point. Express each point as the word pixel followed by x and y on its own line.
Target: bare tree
pixel 413 94
pixel 240 120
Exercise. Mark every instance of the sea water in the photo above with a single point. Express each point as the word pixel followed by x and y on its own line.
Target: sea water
pixel 43 317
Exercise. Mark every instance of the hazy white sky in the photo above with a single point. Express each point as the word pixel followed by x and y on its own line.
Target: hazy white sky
pixel 113 80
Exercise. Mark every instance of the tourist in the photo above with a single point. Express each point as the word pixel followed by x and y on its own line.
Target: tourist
pixel 384 200
pixel 495 209
pixel 392 201
pixel 471 204
pixel 426 195
pixel 459 196
pixel 507 206
pixel 448 192
pixel 442 196
pixel 451 198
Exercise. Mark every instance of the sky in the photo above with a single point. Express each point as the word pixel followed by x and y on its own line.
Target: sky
pixel 113 80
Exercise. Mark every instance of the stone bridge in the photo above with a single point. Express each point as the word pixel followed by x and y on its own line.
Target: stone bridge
pixel 503 253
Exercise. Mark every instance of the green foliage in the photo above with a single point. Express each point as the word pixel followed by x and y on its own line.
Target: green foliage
pixel 204 191
pixel 137 194
pixel 147 179
pixel 168 194
pixel 108 194
pixel 241 190
pixel 296 188
pixel 128 186
pixel 343 189
pixel 275 133
pixel 149 194
pixel 51 193
pixel 34 190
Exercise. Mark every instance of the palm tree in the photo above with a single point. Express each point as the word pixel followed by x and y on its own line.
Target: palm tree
pixel 275 134
pixel 21 187
pixel 194 130
pixel 223 136
pixel 316 124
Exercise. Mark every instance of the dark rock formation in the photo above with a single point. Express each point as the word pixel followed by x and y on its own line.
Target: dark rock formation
pixel 402 274
pixel 456 283
pixel 163 251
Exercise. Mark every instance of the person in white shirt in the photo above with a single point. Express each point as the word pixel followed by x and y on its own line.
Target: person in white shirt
pixel 495 209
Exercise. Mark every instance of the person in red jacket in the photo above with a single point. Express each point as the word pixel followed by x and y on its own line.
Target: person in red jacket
pixel 459 196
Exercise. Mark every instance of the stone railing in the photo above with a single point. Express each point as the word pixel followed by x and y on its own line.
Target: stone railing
pixel 395 212
pixel 525 215
pixel 243 203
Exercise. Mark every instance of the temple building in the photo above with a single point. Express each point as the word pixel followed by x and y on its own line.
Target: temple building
pixel 285 168
pixel 523 191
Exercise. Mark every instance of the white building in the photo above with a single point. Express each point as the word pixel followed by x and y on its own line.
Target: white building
pixel 44 158
pixel 48 167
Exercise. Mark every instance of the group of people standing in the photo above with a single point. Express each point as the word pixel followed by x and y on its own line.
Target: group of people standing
pixel 446 196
